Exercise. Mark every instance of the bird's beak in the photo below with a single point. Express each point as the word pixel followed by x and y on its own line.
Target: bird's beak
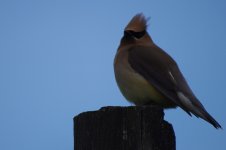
pixel 128 34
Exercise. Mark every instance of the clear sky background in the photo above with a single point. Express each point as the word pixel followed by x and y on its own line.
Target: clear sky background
pixel 56 61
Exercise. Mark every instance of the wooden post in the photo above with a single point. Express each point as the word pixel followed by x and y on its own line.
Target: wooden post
pixel 123 128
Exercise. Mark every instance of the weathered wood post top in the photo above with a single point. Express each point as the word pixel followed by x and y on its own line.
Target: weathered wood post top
pixel 123 128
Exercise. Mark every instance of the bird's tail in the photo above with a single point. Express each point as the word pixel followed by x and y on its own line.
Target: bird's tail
pixel 206 116
pixel 193 105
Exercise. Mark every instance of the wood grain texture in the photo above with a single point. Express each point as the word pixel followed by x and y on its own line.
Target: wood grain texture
pixel 123 128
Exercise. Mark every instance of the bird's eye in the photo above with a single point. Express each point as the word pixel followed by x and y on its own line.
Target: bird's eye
pixel 137 35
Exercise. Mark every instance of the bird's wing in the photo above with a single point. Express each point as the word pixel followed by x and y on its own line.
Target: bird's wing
pixel 161 71
pixel 146 61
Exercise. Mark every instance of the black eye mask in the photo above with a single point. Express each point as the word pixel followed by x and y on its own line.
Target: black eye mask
pixel 137 35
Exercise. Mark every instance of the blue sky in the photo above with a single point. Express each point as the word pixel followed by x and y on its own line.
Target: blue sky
pixel 56 61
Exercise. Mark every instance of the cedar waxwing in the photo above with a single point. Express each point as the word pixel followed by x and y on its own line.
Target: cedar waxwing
pixel 147 75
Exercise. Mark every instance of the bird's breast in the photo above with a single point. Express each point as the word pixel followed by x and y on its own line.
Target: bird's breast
pixel 133 86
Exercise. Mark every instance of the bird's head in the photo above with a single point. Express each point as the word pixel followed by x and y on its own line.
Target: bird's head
pixel 135 31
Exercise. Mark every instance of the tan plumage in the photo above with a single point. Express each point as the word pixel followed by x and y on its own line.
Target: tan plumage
pixel 147 75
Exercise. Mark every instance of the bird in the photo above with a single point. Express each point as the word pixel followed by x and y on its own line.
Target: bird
pixel 147 75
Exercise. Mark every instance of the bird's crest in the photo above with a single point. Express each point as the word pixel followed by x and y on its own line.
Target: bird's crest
pixel 138 23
